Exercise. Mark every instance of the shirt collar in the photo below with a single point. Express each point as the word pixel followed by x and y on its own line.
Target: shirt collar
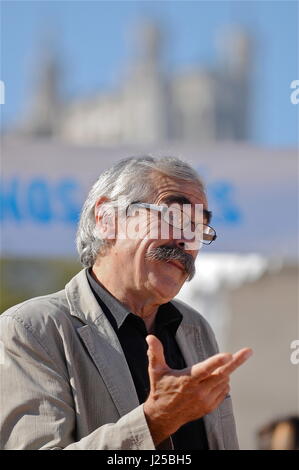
pixel 117 309
pixel 168 316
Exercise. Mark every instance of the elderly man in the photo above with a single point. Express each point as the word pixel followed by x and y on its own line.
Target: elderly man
pixel 111 361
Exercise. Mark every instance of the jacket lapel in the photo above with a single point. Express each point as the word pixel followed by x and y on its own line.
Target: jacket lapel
pixel 102 344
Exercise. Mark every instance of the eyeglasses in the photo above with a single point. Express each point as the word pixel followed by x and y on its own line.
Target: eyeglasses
pixel 177 218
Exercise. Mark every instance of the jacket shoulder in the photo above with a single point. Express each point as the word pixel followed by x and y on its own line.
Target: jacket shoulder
pixel 46 317
pixel 190 315
pixel 37 308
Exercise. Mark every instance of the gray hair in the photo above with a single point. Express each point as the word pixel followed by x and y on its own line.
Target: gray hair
pixel 126 182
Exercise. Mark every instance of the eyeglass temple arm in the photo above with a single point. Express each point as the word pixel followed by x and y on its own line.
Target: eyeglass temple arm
pixel 149 206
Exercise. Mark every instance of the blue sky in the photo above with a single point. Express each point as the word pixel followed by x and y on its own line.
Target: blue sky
pixel 91 38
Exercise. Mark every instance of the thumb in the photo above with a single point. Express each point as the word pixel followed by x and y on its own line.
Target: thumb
pixel 155 353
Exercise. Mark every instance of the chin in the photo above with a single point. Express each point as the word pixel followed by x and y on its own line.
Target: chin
pixel 166 287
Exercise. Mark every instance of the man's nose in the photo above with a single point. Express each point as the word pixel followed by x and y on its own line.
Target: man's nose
pixel 186 244
pixel 178 238
pixel 180 244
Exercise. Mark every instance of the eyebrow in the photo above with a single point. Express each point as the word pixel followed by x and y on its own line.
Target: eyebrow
pixel 176 198
pixel 184 200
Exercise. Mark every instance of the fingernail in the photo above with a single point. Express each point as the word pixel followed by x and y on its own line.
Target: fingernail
pixel 248 354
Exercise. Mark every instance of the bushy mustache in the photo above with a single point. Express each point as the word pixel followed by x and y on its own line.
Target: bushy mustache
pixel 168 253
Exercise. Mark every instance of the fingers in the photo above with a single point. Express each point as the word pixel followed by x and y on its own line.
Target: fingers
pixel 203 369
pixel 211 398
pixel 237 360
pixel 218 396
pixel 214 381
pixel 155 353
pixel 220 364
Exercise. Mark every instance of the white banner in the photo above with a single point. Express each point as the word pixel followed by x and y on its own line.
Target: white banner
pixel 253 194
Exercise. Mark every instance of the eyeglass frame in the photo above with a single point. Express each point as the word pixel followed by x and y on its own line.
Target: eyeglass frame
pixel 163 209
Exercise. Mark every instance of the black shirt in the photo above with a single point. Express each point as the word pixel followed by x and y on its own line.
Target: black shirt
pixel 131 332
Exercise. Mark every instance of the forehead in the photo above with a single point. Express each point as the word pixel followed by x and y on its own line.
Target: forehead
pixel 169 189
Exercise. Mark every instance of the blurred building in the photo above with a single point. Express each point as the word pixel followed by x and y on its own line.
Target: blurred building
pixel 150 105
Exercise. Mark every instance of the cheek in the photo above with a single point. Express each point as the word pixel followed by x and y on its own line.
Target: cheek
pixel 135 255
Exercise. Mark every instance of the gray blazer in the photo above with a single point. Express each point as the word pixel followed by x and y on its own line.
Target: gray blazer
pixel 65 382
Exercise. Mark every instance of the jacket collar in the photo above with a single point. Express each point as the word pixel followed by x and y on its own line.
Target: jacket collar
pixel 81 300
pixel 102 343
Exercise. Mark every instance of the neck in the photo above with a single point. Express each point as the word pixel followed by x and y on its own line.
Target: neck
pixel 134 300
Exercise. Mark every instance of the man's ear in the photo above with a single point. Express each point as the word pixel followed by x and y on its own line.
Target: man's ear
pixel 105 218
